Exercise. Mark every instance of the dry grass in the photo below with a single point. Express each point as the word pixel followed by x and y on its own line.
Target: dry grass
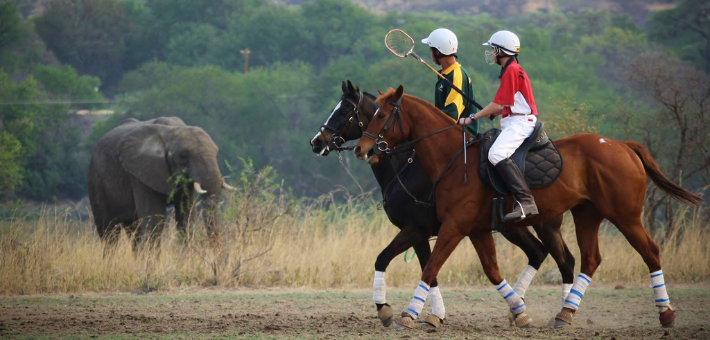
pixel 269 240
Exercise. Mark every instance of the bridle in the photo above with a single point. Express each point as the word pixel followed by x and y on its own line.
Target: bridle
pixel 336 139
pixel 381 145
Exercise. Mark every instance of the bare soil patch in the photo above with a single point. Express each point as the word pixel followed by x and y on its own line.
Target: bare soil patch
pixel 606 313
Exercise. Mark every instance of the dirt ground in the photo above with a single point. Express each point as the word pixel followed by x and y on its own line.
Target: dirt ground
pixel 472 313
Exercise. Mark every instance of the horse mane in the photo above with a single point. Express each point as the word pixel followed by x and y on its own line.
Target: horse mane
pixel 382 98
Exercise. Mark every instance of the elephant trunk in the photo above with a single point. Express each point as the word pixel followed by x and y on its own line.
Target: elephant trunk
pixel 208 183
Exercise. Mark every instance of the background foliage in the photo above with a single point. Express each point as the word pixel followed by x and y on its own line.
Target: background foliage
pixel 592 71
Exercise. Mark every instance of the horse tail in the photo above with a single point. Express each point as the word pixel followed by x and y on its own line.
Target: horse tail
pixel 661 181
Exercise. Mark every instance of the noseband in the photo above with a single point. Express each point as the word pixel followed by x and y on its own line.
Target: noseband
pixel 381 145
pixel 336 140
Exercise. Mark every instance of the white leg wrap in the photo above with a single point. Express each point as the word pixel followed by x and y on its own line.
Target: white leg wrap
pixel 524 280
pixel 566 287
pixel 514 301
pixel 577 292
pixel 417 304
pixel 437 303
pixel 659 289
pixel 379 288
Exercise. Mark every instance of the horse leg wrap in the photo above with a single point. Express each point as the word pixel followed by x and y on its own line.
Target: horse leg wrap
pixel 379 288
pixel 566 287
pixel 437 303
pixel 515 302
pixel 524 280
pixel 417 304
pixel 577 292
pixel 659 291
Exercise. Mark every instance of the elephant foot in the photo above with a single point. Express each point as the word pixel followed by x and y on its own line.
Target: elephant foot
pixel 431 321
pixel 667 318
pixel 523 320
pixel 404 322
pixel 564 318
pixel 386 315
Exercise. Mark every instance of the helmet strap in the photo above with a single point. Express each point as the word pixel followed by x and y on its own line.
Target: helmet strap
pixel 436 53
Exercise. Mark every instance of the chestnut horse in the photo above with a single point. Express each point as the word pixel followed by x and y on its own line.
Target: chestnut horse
pixel 602 178
pixel 418 222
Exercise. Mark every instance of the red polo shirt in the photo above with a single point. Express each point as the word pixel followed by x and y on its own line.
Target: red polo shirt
pixel 515 92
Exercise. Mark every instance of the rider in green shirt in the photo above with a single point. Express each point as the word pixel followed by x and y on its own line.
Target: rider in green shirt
pixel 443 45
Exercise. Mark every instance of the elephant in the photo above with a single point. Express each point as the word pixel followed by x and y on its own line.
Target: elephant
pixel 129 172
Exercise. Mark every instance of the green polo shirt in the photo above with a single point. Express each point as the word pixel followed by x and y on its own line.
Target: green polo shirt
pixel 453 103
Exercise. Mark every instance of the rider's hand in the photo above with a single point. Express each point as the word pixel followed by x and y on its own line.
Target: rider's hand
pixel 465 121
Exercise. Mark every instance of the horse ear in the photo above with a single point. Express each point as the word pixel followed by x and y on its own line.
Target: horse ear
pixel 398 94
pixel 345 86
pixel 350 86
pixel 380 92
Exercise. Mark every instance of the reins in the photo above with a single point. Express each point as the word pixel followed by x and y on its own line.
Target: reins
pixel 355 114
pixel 396 115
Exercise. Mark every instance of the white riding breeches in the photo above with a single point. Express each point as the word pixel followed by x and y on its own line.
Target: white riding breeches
pixel 514 130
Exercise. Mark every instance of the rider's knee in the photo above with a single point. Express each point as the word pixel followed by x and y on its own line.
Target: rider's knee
pixel 495 156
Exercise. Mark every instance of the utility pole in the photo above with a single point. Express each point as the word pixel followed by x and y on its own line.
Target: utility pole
pixel 246 52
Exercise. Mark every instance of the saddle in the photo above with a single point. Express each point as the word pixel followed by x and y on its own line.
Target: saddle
pixel 537 158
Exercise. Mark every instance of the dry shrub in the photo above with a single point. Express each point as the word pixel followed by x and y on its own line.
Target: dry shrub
pixel 268 239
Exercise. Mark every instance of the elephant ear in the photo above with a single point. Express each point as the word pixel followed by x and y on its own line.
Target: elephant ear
pixel 143 154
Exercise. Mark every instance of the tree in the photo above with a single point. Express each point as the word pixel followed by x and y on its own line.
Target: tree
pixel 677 130
pixel 43 144
pixel 11 171
pixel 19 50
pixel 685 30
pixel 89 35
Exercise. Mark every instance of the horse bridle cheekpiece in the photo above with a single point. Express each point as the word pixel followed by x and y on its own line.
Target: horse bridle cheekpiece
pixel 336 140
pixel 381 145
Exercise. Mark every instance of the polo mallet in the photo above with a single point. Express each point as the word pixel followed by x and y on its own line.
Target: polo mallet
pixel 401 44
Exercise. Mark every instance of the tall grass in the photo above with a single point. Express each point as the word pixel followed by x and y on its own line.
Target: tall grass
pixel 269 240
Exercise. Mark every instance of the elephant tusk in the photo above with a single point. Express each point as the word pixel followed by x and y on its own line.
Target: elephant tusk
pixel 198 188
pixel 228 187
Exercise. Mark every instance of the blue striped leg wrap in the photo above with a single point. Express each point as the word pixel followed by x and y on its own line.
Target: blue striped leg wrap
pixel 417 304
pixel 514 301
pixel 574 298
pixel 659 289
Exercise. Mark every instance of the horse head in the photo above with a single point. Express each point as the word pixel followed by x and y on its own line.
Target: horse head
pixel 346 122
pixel 381 133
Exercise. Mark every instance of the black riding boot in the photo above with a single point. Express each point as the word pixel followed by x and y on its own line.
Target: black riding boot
pixel 525 205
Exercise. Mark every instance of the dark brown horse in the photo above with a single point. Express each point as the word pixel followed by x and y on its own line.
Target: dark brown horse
pixel 602 178
pixel 418 222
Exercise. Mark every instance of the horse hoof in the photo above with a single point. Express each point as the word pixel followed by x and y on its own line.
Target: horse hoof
pixel 667 318
pixel 551 323
pixel 511 319
pixel 386 315
pixel 523 320
pixel 431 321
pixel 560 324
pixel 563 319
pixel 404 322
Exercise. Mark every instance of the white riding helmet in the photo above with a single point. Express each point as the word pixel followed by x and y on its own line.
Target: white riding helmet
pixel 443 40
pixel 506 41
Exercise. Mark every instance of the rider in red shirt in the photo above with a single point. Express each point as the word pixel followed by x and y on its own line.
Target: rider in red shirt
pixel 516 103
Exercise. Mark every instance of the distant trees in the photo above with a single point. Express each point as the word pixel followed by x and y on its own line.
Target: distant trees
pixel 685 31
pixel 42 148
pixel 181 58
pixel 676 129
